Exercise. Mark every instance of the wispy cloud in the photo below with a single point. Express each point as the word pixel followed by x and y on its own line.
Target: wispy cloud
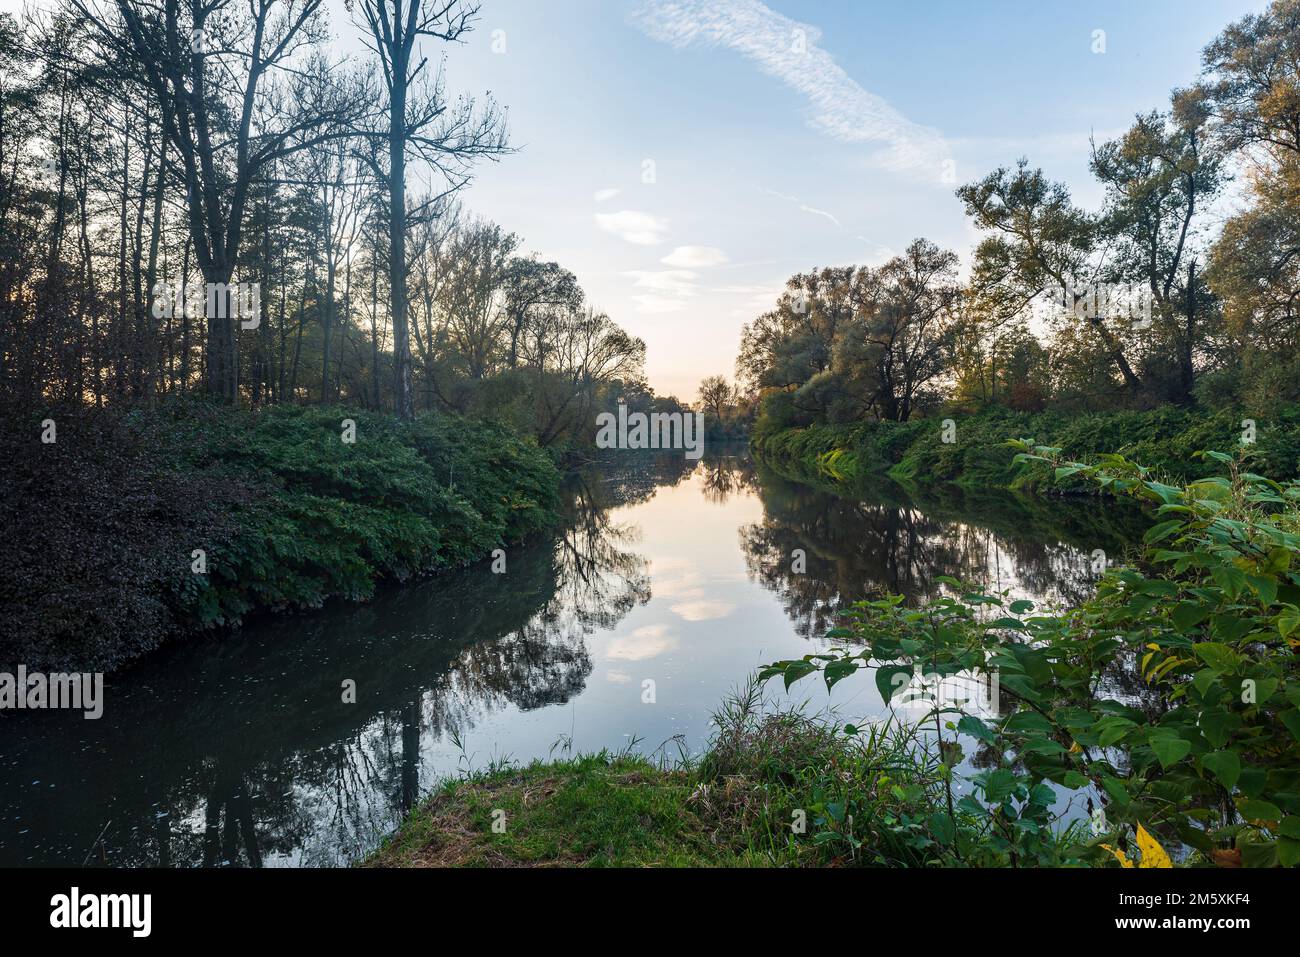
pixel 674 282
pixel 603 195
pixel 787 49
pixel 804 207
pixel 695 257
pixel 643 229
pixel 656 304
pixel 644 643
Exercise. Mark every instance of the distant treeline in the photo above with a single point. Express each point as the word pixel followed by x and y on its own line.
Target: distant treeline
pixel 1153 298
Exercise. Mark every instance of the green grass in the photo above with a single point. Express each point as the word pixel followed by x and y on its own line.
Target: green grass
pixel 598 810
pixel 774 789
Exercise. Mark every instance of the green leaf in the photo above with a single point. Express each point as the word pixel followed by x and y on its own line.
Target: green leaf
pixel 943 828
pixel 1162 531
pixel 1188 614
pixel 1224 765
pixel 1288 851
pixel 1291 718
pixel 888 681
pixel 796 670
pixel 1169 749
pixel 999 785
pixel 1288 621
pixel 1214 725
pixel 1116 789
pixel 838 670
pixel 1253 810
pixel 1229 578
pixel 976 728
pixel 1028 721
pixel 1265 588
pixel 1218 656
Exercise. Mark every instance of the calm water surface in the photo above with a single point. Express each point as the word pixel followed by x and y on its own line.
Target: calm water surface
pixel 242 752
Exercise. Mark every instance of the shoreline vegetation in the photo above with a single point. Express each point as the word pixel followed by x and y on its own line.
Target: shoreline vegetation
pixel 153 524
pixel 914 453
pixel 1167 705
pixel 774 788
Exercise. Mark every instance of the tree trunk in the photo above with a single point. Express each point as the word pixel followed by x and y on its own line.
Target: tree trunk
pixel 403 396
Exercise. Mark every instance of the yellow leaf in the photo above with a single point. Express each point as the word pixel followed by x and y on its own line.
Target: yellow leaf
pixel 1153 855
pixel 1119 856
pixel 1075 747
pixel 1146 660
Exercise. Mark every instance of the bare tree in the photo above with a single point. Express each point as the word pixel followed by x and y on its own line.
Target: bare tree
pixel 421 124
pixel 234 99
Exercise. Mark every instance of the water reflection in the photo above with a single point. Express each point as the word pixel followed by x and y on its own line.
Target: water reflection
pixel 244 752
pixel 890 541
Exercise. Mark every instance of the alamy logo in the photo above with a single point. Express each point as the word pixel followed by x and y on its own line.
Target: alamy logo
pixel 36 691
pixel 656 430
pixel 215 300
pixel 1103 300
pixel 103 910
pixel 976 689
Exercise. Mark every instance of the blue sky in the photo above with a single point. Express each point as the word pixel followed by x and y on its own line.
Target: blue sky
pixel 786 135
pixel 776 166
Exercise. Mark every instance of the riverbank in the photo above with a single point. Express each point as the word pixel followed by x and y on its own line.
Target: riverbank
pixel 1178 719
pixel 774 789
pixel 127 529
pixel 977 457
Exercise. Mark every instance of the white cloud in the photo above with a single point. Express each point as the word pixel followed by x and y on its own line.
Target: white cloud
pixel 804 207
pixel 703 610
pixel 674 282
pixel 658 304
pixel 643 229
pixel 648 642
pixel 786 49
pixel 695 257
pixel 606 194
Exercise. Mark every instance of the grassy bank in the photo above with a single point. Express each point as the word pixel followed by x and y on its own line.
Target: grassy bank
pixel 130 528
pixel 915 452
pixel 776 789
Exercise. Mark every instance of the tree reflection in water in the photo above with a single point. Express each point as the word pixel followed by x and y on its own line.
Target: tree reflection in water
pixel 241 752
pixel 887 540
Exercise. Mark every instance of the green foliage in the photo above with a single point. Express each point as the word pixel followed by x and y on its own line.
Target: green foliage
pixel 403 499
pixel 1207 753
pixel 774 788
pixel 287 513
pixel 1165 438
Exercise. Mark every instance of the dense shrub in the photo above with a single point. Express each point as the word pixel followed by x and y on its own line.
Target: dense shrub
pixel 103 524
pixel 1165 439
pixel 1170 700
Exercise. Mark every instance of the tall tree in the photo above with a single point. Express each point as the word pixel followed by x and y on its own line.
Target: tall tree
pixel 421 124
pixel 234 99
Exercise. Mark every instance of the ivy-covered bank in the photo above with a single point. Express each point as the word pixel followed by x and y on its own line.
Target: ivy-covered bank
pixel 1164 439
pixel 130 528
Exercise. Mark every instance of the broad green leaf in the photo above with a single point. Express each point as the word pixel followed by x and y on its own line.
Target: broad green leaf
pixel 973 726
pixel 1218 656
pixel 1169 749
pixel 1224 765
pixel 796 670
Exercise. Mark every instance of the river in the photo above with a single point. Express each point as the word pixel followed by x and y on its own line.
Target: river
pixel 669 582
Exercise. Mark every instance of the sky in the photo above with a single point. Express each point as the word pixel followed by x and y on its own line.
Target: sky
pixel 685 157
